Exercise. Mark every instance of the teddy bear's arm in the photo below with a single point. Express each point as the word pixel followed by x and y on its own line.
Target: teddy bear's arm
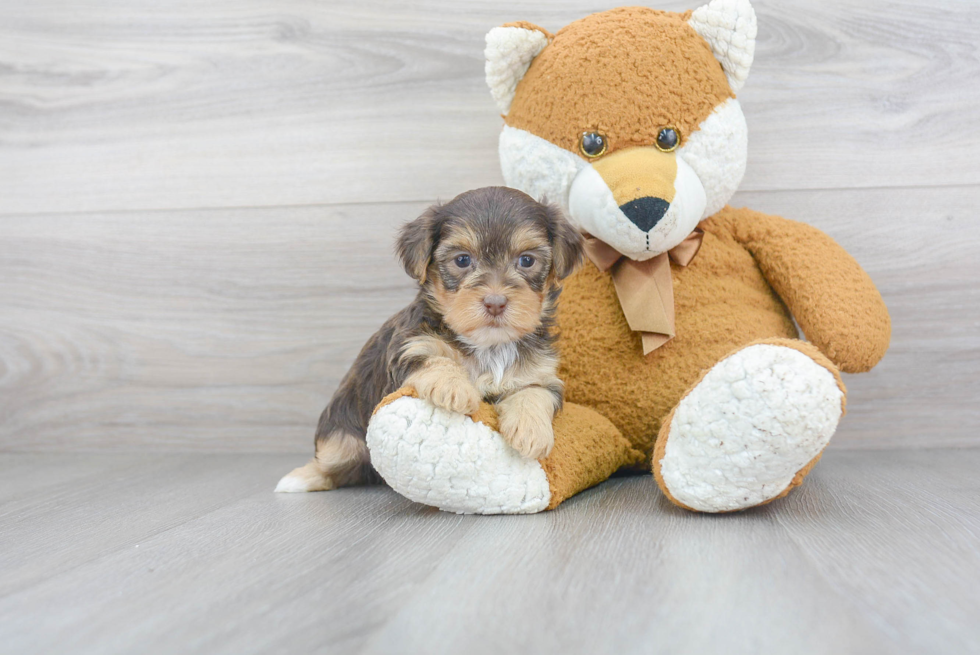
pixel 834 301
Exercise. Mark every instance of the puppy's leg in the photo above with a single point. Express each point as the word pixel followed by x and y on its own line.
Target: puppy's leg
pixel 341 460
pixel 525 421
pixel 445 384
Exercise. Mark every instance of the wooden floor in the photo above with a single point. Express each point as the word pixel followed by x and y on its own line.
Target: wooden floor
pixel 878 553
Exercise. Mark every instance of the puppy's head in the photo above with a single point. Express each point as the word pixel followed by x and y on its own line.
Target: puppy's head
pixel 490 261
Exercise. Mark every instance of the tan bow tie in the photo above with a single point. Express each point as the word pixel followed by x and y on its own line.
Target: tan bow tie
pixel 645 290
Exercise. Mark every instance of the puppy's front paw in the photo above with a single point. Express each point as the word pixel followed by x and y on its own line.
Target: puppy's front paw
pixel 453 393
pixel 529 433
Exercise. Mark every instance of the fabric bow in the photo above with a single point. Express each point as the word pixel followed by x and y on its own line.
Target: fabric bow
pixel 645 290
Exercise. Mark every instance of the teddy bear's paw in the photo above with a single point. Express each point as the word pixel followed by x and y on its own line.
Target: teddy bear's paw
pixel 741 435
pixel 446 460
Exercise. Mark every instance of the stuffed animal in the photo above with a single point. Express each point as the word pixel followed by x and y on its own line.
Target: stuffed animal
pixel 678 343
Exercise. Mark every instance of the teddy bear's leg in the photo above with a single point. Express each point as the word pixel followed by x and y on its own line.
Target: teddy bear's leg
pixel 750 429
pixel 461 463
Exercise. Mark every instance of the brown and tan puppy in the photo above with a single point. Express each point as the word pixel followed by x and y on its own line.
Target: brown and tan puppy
pixel 489 265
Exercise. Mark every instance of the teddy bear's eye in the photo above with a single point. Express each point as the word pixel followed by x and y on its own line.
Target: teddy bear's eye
pixel 667 139
pixel 592 144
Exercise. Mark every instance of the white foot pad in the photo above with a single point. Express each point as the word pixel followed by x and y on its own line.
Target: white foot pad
pixel 446 460
pixel 741 435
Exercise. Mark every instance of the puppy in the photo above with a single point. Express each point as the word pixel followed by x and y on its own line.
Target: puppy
pixel 489 265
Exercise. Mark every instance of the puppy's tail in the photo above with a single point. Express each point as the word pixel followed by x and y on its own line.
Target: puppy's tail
pixel 341 460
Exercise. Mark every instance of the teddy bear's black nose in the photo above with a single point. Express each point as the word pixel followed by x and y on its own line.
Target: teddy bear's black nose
pixel 644 213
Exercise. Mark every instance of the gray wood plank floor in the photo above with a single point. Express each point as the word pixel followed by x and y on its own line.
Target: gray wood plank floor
pixel 878 553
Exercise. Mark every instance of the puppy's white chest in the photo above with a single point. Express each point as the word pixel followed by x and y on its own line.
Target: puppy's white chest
pixel 489 365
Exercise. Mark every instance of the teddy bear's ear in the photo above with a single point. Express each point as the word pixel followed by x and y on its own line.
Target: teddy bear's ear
pixel 729 27
pixel 509 52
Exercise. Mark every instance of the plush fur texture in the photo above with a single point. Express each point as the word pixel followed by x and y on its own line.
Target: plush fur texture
pixel 538 166
pixel 593 75
pixel 729 27
pixel 449 461
pixel 723 300
pixel 510 50
pixel 586 80
pixel 461 464
pixel 753 421
pixel 735 410
pixel 718 152
pixel 835 302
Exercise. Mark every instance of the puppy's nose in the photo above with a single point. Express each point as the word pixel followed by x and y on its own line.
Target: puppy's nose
pixel 645 212
pixel 495 304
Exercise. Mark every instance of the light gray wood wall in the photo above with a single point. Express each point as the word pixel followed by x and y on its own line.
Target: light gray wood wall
pixel 198 199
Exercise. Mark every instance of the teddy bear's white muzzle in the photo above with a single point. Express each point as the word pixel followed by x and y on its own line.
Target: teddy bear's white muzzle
pixel 630 229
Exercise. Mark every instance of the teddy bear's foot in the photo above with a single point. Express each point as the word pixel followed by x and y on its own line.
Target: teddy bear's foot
pixel 750 429
pixel 448 460
pixel 462 464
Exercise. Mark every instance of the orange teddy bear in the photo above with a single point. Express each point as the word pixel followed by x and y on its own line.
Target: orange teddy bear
pixel 679 350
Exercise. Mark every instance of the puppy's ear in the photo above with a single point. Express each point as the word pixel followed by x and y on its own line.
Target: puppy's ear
pixel 417 241
pixel 566 243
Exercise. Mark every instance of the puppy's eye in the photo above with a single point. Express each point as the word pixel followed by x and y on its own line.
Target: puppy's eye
pixel 667 139
pixel 525 261
pixel 463 261
pixel 592 144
